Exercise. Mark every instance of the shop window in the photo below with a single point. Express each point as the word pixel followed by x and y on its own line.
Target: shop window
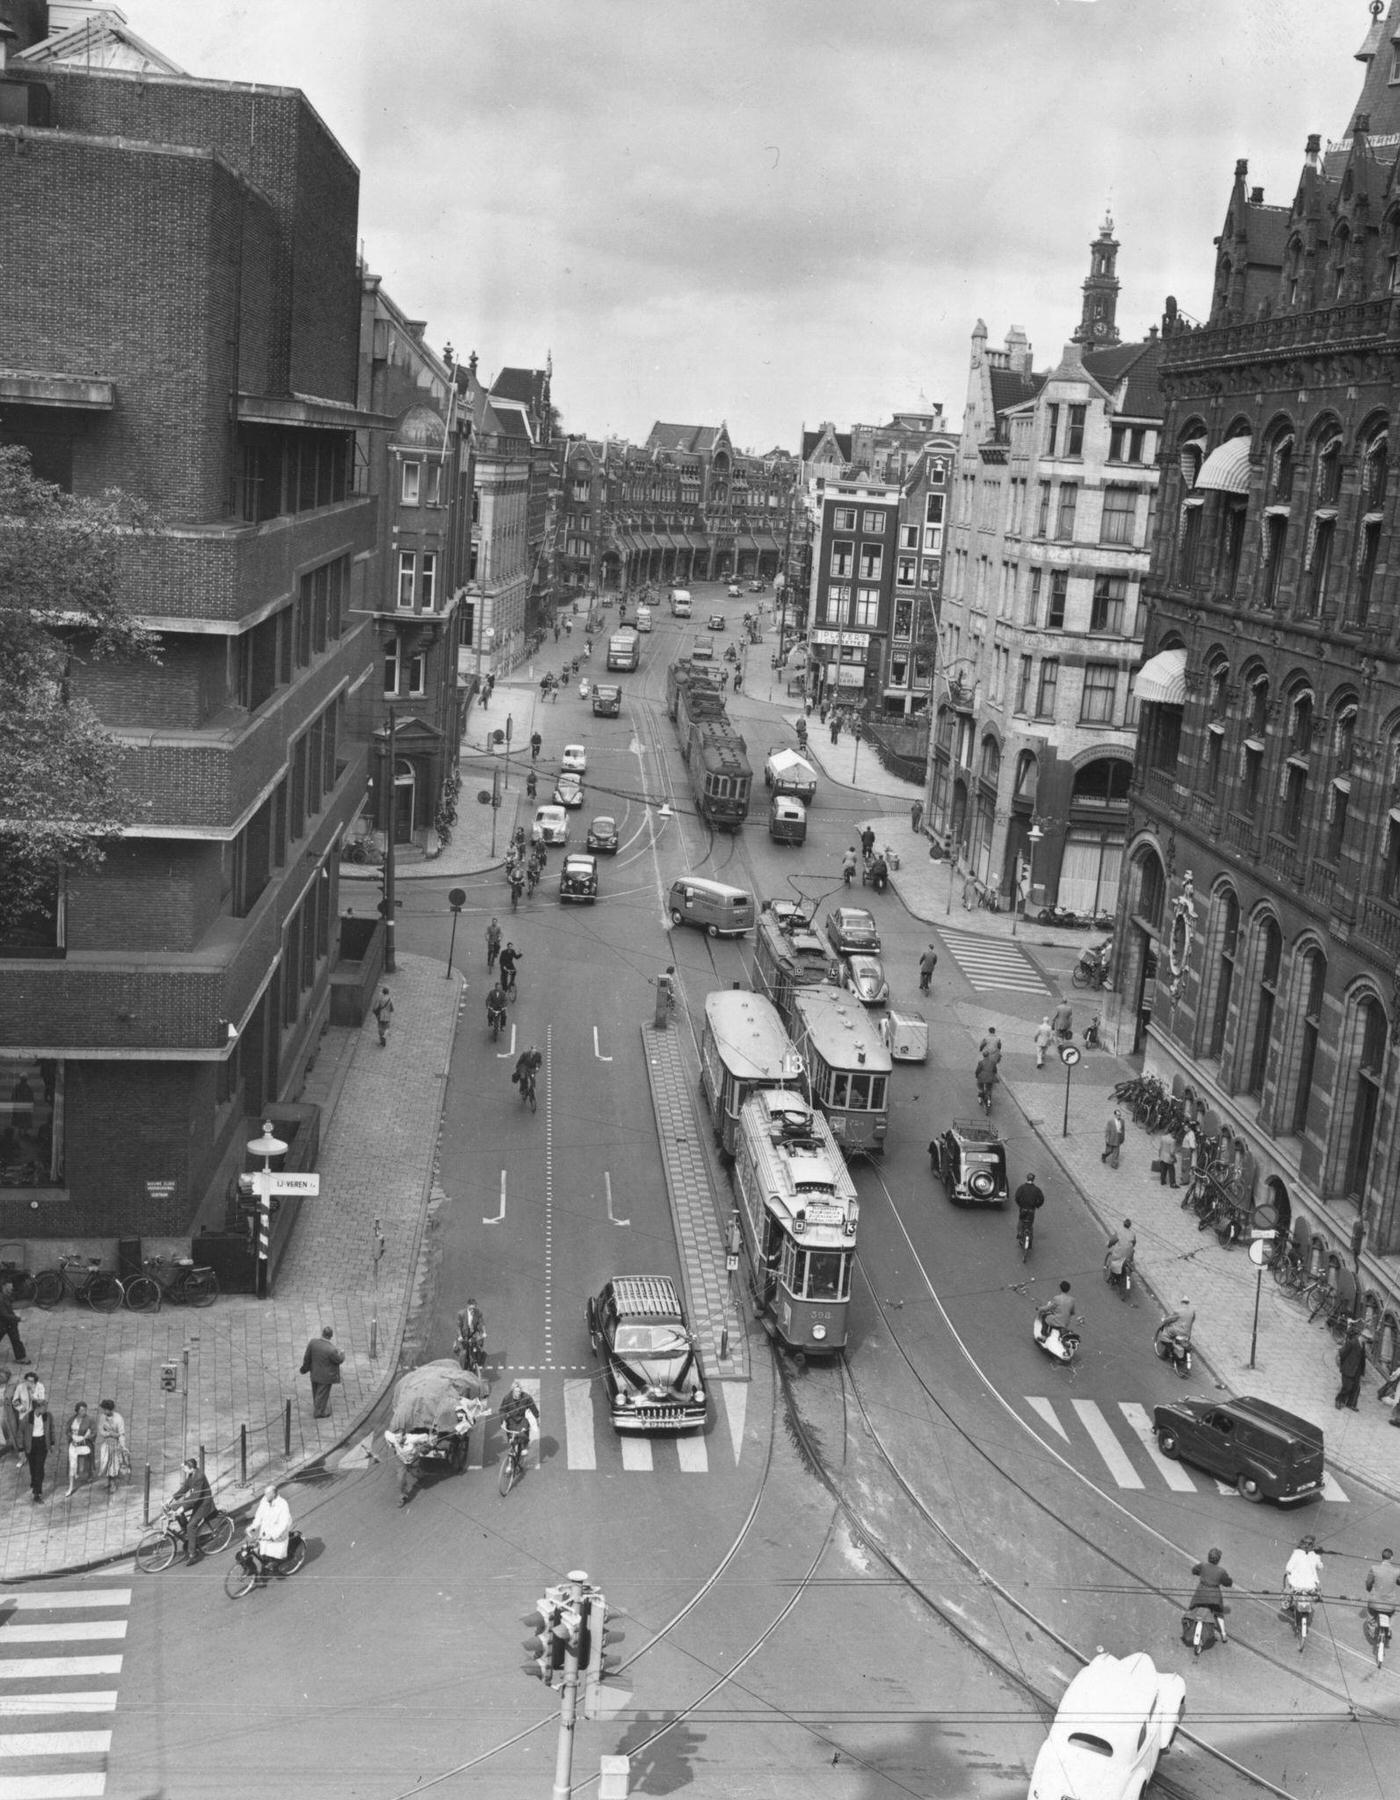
pixel 31 1122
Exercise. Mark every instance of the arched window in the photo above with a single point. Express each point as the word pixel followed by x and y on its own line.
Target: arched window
pixel 1391 236
pixel 1293 273
pixel 1293 780
pixel 1375 474
pixel 1269 956
pixel 1341 255
pixel 991 760
pixel 1217 712
pixel 1251 776
pixel 1278 495
pixel 1311 985
pixel 1322 528
pixel 1361 1092
pixel 1225 922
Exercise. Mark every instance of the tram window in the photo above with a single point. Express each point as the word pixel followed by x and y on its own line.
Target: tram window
pixel 791 1270
pixel 824 1274
pixel 772 1242
pixel 860 1093
pixel 837 1090
pixel 878 1102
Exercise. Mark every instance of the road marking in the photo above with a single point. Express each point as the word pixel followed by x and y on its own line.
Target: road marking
pixel 58 1633
pixel 993 963
pixel 53 1668
pixel 1171 1472
pixel 1106 1444
pixel 52 1787
pixel 502 1213
pixel 736 1400
pixel 509 1051
pixel 596 1051
pixel 531 1385
pixel 636 1451
pixel 1046 1411
pixel 55 1743
pixel 578 1425
pixel 361 1455
pixel 607 1185
pixel 694 1456
pixel 1330 1488
pixel 51 1599
pixel 548 1195
pixel 94 1700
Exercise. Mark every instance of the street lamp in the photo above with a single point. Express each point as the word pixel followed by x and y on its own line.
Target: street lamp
pixel 1033 837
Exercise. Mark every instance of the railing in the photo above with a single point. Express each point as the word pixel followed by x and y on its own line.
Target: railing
pixel 1322 879
pixel 1380 924
pixel 1286 335
pixel 1162 782
pixel 1239 834
pixel 1281 856
pixel 1203 811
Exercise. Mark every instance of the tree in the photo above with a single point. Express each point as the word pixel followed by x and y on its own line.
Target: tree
pixel 62 798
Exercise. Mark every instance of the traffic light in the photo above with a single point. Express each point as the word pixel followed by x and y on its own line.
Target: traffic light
pixel 553 1637
pixel 599 1632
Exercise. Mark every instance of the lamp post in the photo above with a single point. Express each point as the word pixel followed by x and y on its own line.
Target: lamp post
pixel 1033 837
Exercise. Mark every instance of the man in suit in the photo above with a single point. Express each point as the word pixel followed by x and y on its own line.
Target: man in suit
pixel 322 1363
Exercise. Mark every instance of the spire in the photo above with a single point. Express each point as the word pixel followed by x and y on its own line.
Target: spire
pixel 1098 323
pixel 1375 37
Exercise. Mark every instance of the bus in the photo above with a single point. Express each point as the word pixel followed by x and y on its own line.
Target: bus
pixel 846 1066
pixel 784 961
pixel 744 1046
pixel 624 650
pixel 798 1213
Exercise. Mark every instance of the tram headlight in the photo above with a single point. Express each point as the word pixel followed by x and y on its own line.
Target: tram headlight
pixel 819 1332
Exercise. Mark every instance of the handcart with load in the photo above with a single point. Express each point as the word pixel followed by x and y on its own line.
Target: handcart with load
pixel 435 1407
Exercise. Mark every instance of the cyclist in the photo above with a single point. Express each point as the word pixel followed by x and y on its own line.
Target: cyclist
pixel 471 1335
pixel 1302 1573
pixel 515 1410
pixel 270 1529
pixel 1122 1249
pixel 986 1073
pixel 536 742
pixel 191 1503
pixel 527 1067
pixel 848 865
pixel 495 1007
pixel 493 943
pixel 1211 1581
pixel 1383 1586
pixel 510 956
pixel 1029 1199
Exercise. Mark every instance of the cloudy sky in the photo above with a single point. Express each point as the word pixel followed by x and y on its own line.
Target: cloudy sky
pixel 775 212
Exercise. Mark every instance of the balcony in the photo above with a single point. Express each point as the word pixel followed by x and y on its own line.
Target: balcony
pixel 1203 813
pixel 1281 857
pixel 1239 835
pixel 1161 783
pixel 1380 925
pixel 1322 882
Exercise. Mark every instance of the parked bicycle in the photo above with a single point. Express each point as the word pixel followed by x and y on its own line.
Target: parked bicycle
pixel 159 1548
pixel 97 1289
pixel 179 1280
pixel 1289 1268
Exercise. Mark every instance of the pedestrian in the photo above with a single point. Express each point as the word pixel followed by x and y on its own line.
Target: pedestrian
pixel 9 1323
pixel 28 1394
pixel 867 840
pixel 916 815
pixel 40 1438
pixel 569 627
pixel 1063 1021
pixel 1185 1156
pixel 9 1425
pixel 81 1435
pixel 1212 1579
pixel 1166 1158
pixel 822 711
pixel 383 1010
pixel 928 962
pixel 322 1362
pixel 1114 1133
pixel 113 1458
pixel 490 686
pixel 1044 1037
pixel 1351 1360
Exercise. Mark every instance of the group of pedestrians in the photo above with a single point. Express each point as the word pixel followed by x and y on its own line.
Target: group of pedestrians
pixel 96 1448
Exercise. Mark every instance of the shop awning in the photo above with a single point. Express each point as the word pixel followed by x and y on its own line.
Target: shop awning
pixel 1226 469
pixel 1161 681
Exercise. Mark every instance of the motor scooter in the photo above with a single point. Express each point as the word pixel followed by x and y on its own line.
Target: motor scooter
pixel 1376 1625
pixel 1172 1350
pixel 1062 1345
pixel 1118 1273
pixel 1299 1605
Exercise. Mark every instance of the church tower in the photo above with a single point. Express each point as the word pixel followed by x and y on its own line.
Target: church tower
pixel 1098 326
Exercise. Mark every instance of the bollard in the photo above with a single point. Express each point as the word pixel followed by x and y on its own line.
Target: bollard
pixel 373 1339
pixel 287 1430
pixel 201 1459
pixel 146 1502
pixel 243 1456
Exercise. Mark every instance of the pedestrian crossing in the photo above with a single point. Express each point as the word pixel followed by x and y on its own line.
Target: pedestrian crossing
pixel 53 1744
pixel 588 1444
pixel 990 962
pixel 1122 1439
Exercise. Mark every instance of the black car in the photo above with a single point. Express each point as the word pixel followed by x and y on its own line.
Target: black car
pixel 970 1160
pixel 1263 1451
pixel 651 1364
pixel 578 879
pixel 851 928
pixel 602 833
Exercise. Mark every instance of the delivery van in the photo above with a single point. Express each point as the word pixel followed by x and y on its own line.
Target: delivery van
pixel 787 820
pixel 711 907
pixel 643 618
pixel 680 603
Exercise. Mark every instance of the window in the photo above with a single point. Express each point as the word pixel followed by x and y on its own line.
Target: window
pixel 1064 518
pixel 1251 775
pixel 1368 1034
pixel 1230 543
pixel 838 603
pixel 417 673
pixel 1049 679
pixel 842 556
pixel 1074 435
pixel 933 509
pixel 1320 565
pixel 1128 443
pixel 412 478
pixel 1295 794
pixel 1023 685
pixel 1100 692
pixel 407 572
pixel 928 575
pixel 1059 592
pixel 1338 802
pixel 1281 470
pixel 903 618
pixel 872 557
pixel 908 537
pixel 1042 523
pixel 1052 429
pixel 1119 515
pixel 427 579
pixel 867 608
pixel 1110 603
pixel 1033 602
pixel 1314 984
pixel 391 666
pixel 843 518
pixel 1212 758
pixel 1229 908
pixel 432 484
pixel 1275 540
pixel 873 524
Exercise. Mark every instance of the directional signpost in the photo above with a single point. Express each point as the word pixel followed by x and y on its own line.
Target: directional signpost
pixel 1258 1251
pixel 1069 1056
pixel 266 1183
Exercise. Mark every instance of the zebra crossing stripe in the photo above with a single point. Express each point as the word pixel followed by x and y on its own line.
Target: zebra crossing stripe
pixel 1171 1472
pixel 14 1706
pixel 53 1668
pixel 63 1634
pixel 1331 1488
pixel 1108 1447
pixel 694 1457
pixel 578 1425
pixel 1045 1411
pixel 52 1600
pixel 53 1787
pixel 636 1451
pixel 54 1743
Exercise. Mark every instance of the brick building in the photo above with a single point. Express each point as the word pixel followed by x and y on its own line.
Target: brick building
pixel 179 316
pixel 1258 959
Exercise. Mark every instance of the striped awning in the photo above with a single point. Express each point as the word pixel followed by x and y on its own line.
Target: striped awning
pixel 1226 469
pixel 1161 681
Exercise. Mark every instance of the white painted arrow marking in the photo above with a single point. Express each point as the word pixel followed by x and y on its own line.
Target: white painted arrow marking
pixel 502 1213
pixel 596 1051
pixel 736 1400
pixel 607 1186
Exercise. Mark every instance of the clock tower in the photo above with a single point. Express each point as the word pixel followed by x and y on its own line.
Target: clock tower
pixel 1098 325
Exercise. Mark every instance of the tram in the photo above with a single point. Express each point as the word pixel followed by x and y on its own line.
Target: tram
pixel 784 961
pixel 798 1212
pixel 846 1066
pixel 720 776
pixel 744 1046
pixel 692 692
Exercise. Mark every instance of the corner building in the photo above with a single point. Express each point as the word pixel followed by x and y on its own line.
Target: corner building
pixel 1259 932
pixel 179 312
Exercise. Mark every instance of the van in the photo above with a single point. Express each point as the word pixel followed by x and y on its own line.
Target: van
pixel 607 700
pixel 680 603
pixel 787 820
pixel 711 907
pixel 643 618
pixel 1263 1451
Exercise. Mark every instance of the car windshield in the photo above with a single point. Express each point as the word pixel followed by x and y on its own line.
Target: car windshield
pixel 650 1340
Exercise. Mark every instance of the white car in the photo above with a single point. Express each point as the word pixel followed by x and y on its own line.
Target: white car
pixel 1118 1715
pixel 568 790
pixel 551 825
pixel 575 758
pixel 864 975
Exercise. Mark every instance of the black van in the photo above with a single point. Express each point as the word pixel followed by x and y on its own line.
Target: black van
pixel 1269 1454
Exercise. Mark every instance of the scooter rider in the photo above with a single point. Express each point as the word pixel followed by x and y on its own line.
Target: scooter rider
pixel 1176 1330
pixel 1302 1573
pixel 1122 1248
pixel 1058 1313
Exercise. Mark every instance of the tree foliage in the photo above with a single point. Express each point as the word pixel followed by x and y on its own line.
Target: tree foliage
pixel 62 799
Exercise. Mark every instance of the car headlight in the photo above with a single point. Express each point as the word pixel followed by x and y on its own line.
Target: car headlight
pixel 819 1332
pixel 697 1394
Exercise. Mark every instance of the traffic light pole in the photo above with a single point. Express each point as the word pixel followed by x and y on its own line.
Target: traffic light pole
pixel 568 1691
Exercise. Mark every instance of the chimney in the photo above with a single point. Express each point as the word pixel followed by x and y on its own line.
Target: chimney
pixel 1312 158
pixel 1256 196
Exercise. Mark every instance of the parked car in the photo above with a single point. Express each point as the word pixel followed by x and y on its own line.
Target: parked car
pixel 651 1364
pixel 1117 1717
pixel 865 976
pixel 1268 1454
pixel 969 1158
pixel 568 790
pixel 551 825
pixel 851 928
pixel 602 834
pixel 575 757
pixel 717 622
pixel 578 879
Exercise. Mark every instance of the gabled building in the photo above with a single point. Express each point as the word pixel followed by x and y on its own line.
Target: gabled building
pixel 1259 927
pixel 1041 625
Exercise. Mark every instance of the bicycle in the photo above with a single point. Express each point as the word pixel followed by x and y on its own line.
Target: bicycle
pixel 527 1088
pixel 984 1095
pixel 1375 1628
pixel 1025 1233
pixel 1290 1271
pixel 97 1289
pixel 513 1462
pixel 159 1548
pixel 189 1284
pixel 250 1566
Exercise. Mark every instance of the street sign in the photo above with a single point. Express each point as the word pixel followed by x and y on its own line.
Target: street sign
pixel 731 1263
pixel 160 1190
pixel 1069 1055
pixel 293 1184
pixel 456 898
